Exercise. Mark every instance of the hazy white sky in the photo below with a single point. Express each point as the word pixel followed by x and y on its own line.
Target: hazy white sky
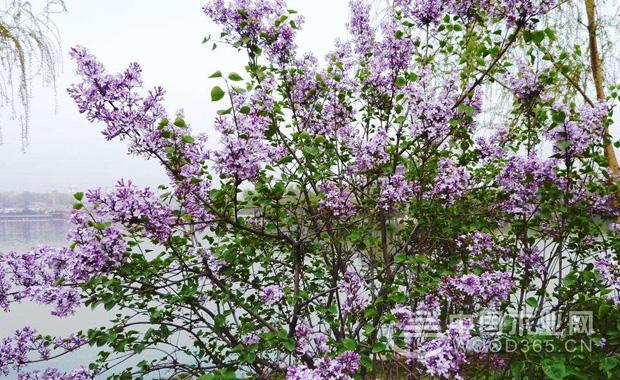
pixel 67 153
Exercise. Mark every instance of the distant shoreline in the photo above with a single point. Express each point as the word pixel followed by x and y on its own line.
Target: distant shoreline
pixel 42 217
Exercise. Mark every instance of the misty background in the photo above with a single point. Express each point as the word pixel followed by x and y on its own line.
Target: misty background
pixel 66 153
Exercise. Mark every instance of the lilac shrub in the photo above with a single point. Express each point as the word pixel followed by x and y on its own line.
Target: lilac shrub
pixel 358 216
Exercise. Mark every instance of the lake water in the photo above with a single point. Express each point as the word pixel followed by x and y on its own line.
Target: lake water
pixel 20 236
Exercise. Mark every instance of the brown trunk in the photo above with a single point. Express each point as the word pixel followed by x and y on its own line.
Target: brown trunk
pixel 597 74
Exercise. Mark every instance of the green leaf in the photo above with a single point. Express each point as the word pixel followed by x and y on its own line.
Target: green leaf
pixel 378 347
pixel 289 344
pixel 516 369
pixel 217 94
pixel 538 36
pixel 608 363
pixel 217 74
pixel 603 309
pixel 555 371
pixel 349 344
pixel 234 77
pixel 532 301
pixel 180 123
pixel 366 362
pixel 78 196
pixel 570 279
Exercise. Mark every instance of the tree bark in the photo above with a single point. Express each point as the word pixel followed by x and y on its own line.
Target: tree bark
pixel 597 74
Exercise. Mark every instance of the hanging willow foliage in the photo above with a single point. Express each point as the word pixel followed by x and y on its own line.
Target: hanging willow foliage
pixel 29 49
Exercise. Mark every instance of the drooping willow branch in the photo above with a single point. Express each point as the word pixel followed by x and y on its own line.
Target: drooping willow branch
pixel 29 48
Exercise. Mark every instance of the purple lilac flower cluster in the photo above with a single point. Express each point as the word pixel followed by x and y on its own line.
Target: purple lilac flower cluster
pixel 133 208
pixel 360 28
pixel 34 275
pixel 371 153
pixel 214 264
pixel 17 349
pixel 396 190
pixel 355 291
pixel 425 12
pixel 337 201
pixel 520 180
pixel 416 324
pixel 516 12
pixel 532 260
pixel 526 85
pixel 271 294
pixel 243 146
pixel 525 12
pixel 609 270
pixel 339 368
pixel 258 24
pixel 444 355
pixel 26 345
pixel 251 338
pixel 573 138
pixel 432 114
pixel 452 181
pixel 115 101
pixel 391 56
pixel 488 289
pixel 54 374
pixel 386 57
pixel 98 246
pixel 481 248
pixel 309 341
pixel 493 146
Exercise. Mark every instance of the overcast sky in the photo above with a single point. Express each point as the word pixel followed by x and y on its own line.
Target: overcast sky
pixel 66 152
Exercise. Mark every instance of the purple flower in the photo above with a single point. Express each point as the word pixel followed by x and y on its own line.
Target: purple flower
pixel 432 109
pixel 258 25
pixel 252 338
pixel 54 374
pixel 271 294
pixel 486 290
pixel 133 207
pixel 360 28
pixel 609 270
pixel 355 291
pixel 396 190
pixel 422 322
pixel 520 181
pixel 115 101
pixel 425 12
pixel 340 368
pixel 337 201
pixel 303 335
pixel 444 355
pixel 526 85
pixel 574 137
pixel 5 288
pixel 524 12
pixel 371 153
pixel 482 248
pixel 244 148
pixel 26 345
pixel 452 181
pixel 532 259
pixel 493 147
